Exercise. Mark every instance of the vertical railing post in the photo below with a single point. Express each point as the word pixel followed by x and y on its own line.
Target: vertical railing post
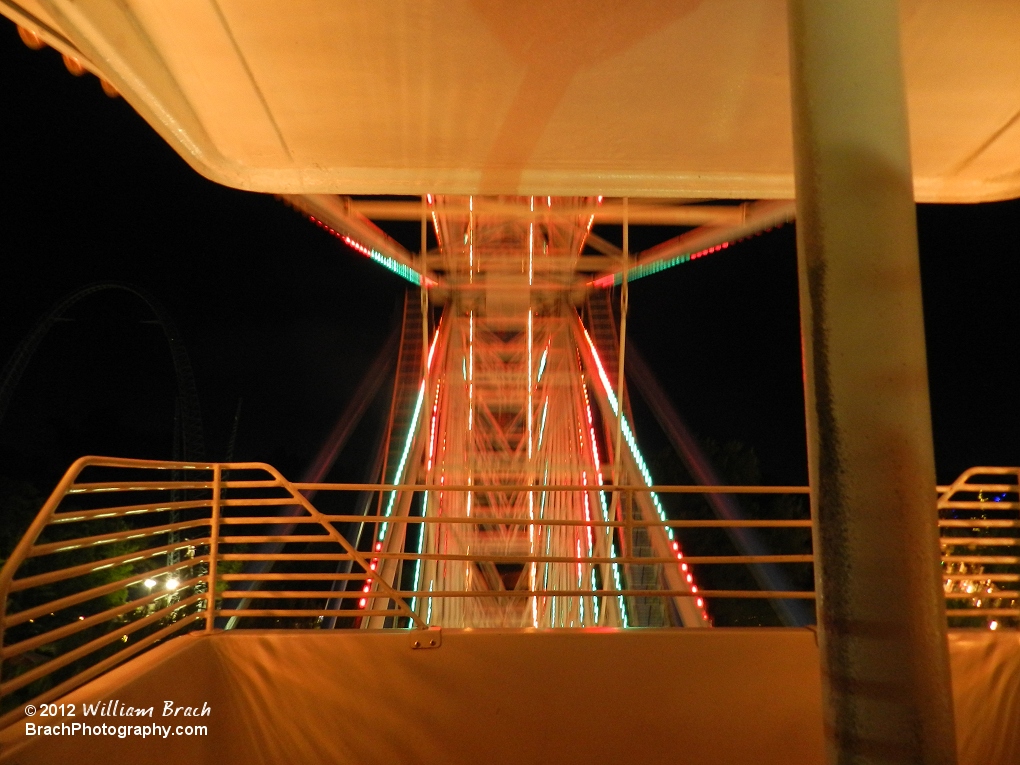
pixel 881 607
pixel 214 546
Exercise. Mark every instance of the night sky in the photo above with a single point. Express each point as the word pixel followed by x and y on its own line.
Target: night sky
pixel 279 315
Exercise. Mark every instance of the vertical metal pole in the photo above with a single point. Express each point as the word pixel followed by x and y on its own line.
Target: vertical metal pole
pixel 882 623
pixel 424 291
pixel 214 548
pixel 624 308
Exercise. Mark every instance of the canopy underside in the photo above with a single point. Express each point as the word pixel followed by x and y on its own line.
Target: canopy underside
pixel 645 98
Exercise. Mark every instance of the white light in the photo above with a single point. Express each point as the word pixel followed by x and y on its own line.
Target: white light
pixel 150 583
pixel 172 584
pixel 994 625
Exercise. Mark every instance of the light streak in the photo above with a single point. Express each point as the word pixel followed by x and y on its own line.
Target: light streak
pixel 591 547
pixel 617 581
pixel 541 428
pixel 647 269
pixel 541 363
pixel 435 221
pixel 432 429
pixel 421 547
pixel 471 369
pixel 408 441
pixel 531 369
pixel 391 264
pixel 654 267
pixel 403 458
pixel 531 247
pixel 628 436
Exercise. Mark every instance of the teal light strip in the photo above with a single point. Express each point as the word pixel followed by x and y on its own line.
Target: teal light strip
pixel 391 264
pixel 655 266
pixel 403 459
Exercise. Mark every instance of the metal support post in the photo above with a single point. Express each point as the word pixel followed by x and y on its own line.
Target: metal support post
pixel 214 547
pixel 882 623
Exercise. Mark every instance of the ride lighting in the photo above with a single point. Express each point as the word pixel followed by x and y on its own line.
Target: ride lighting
pixel 172 584
pixel 150 583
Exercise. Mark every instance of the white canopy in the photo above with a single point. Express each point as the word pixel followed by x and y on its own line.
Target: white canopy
pixel 676 98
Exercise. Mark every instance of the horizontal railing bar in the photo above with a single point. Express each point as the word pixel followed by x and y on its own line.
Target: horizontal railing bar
pixel 115 512
pixel 734 559
pixel 87 568
pixel 995 594
pixel 12 620
pixel 285 556
pixel 293 594
pixel 960 504
pixel 493 558
pixel 258 502
pixel 976 487
pixel 980 541
pixel 521 488
pixel 328 595
pixel 81 543
pixel 99 668
pixel 144 464
pixel 297 577
pixel 93 645
pixel 983 612
pixel 150 464
pixel 258 520
pixel 979 523
pixel 285 538
pixel 495 521
pixel 987 559
pixel 78 625
pixel 112 486
pixel 263 612
pixel 982 577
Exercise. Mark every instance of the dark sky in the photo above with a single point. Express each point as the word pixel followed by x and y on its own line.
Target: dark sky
pixel 277 313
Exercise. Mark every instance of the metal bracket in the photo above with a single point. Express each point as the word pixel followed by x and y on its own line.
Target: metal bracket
pixel 427 638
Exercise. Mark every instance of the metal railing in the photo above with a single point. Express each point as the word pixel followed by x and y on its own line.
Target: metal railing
pixel 127 553
pixel 979 521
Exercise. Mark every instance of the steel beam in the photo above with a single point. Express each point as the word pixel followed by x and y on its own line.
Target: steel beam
pixel 606 212
pixel 882 619
pixel 757 217
pixel 340 214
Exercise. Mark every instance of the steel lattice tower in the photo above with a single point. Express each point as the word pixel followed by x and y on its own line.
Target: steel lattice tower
pixel 514 392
